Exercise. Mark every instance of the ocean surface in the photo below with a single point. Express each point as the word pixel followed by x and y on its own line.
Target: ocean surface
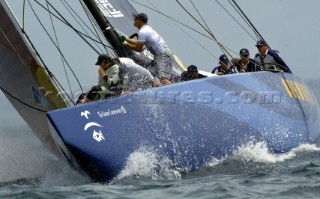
pixel 28 170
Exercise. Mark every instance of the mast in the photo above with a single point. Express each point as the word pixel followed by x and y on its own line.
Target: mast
pixel 108 31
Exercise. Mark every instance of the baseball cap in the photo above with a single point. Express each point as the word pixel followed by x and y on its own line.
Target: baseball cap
pixel 244 52
pixel 261 43
pixel 103 57
pixel 192 68
pixel 223 58
pixel 141 16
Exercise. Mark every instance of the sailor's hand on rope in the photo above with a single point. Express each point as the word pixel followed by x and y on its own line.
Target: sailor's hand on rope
pixel 124 43
pixel 123 38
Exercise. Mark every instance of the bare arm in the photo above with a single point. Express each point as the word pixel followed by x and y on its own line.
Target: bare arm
pixel 135 44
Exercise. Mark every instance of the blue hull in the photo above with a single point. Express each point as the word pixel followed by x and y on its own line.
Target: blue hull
pixel 190 123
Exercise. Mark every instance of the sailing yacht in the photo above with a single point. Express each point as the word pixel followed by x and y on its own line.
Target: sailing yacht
pixel 189 123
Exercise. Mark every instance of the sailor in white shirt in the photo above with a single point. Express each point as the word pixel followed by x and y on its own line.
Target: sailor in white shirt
pixel 165 67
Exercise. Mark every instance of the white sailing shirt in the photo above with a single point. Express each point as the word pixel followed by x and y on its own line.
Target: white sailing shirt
pixel 153 41
pixel 137 77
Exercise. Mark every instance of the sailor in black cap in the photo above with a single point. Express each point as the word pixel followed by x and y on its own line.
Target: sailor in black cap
pixel 165 67
pixel 191 73
pixel 225 66
pixel 118 76
pixel 269 59
pixel 246 64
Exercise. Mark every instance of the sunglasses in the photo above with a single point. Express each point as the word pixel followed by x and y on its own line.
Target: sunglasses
pixel 260 46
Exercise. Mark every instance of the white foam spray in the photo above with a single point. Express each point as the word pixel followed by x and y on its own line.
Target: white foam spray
pixel 146 163
pixel 259 153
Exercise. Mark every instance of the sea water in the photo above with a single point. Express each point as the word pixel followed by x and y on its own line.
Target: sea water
pixel 28 170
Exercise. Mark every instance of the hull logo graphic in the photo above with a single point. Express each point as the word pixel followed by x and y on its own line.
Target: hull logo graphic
pixel 298 90
pixel 121 110
pixel 85 114
pixel 38 98
pixel 96 134
pixel 90 124
pixel 107 9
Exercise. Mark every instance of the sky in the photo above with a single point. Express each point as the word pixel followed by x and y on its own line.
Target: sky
pixel 289 26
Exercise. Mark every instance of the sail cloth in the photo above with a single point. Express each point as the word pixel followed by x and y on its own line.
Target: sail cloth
pixel 24 81
pixel 120 14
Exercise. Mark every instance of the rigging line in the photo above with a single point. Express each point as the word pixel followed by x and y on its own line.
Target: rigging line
pixel 74 15
pixel 22 102
pixel 66 22
pixel 94 26
pixel 235 20
pixel 58 44
pixel 23 57
pixel 203 47
pixel 234 17
pixel 193 29
pixel 23 13
pixel 204 23
pixel 56 48
pixel 78 32
pixel 237 55
pixel 257 32
pixel 196 20
pixel 11 47
pixel 201 16
pixel 161 13
pixel 243 18
pixel 222 47
pixel 239 13
pixel 63 20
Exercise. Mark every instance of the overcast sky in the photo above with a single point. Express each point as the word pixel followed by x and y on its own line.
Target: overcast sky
pixel 290 26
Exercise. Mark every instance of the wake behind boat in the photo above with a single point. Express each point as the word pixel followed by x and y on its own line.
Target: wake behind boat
pixel 188 123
